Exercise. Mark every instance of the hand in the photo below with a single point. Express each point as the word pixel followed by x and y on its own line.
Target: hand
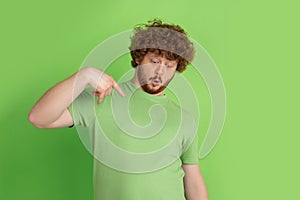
pixel 102 82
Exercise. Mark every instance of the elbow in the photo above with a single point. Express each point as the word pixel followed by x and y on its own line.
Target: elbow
pixel 34 120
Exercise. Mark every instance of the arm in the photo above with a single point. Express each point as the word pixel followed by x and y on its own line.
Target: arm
pixel 194 185
pixel 51 109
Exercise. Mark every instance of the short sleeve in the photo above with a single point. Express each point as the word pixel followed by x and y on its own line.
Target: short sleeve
pixel 82 109
pixel 190 156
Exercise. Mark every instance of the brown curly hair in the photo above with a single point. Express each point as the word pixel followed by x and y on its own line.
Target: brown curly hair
pixel 162 39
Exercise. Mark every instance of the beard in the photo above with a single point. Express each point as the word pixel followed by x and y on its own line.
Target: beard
pixel 152 90
pixel 154 85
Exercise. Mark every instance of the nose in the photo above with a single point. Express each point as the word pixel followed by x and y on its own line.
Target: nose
pixel 159 69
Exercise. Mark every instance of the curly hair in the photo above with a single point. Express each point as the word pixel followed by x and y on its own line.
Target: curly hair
pixel 162 39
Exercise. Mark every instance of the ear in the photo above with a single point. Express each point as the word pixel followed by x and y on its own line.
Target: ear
pixel 137 62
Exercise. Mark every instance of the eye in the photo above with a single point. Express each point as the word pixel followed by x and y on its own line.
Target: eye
pixel 155 61
pixel 169 66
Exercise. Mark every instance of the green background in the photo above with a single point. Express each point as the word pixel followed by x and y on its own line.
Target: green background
pixel 255 45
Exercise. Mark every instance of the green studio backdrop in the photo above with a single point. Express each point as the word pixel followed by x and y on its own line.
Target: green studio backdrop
pixel 254 44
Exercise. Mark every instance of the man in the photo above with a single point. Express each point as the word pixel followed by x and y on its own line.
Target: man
pixel 171 170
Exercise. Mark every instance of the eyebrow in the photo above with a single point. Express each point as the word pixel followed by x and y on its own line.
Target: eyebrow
pixel 155 56
pixel 159 57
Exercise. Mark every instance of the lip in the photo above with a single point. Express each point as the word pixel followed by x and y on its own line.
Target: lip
pixel 156 82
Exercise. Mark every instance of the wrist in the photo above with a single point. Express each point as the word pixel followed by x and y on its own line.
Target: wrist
pixel 82 76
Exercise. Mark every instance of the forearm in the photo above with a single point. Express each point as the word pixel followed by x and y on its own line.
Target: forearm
pixel 194 185
pixel 56 100
pixel 197 192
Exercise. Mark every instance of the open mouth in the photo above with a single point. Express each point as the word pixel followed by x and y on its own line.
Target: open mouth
pixel 156 81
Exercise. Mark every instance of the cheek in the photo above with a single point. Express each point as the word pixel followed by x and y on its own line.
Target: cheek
pixel 148 70
pixel 168 75
pixel 145 72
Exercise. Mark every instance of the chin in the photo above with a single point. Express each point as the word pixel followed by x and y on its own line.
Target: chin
pixel 151 90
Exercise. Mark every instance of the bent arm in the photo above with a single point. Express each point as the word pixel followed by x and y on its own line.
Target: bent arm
pixel 194 185
pixel 51 109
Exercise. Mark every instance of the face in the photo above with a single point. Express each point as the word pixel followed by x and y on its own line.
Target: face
pixel 155 72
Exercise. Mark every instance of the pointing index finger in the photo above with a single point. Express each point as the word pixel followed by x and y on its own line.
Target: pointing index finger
pixel 117 88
